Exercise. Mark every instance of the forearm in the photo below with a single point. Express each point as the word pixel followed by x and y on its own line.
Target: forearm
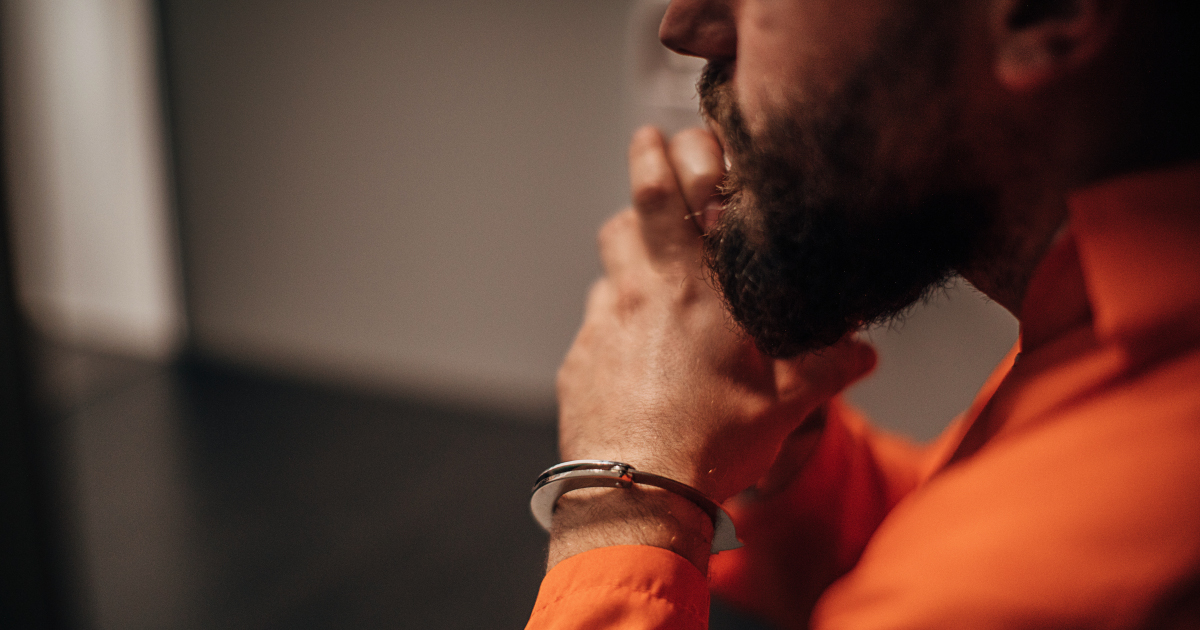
pixel 590 518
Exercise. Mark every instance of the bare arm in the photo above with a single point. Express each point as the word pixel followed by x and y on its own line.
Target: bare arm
pixel 660 378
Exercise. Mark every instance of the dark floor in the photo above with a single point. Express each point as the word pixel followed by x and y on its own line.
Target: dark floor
pixel 204 496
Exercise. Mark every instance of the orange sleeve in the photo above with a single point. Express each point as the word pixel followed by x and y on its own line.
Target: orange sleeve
pixel 629 587
pixel 800 541
pixel 797 544
pixel 1088 518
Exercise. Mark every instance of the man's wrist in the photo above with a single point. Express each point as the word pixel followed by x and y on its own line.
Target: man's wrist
pixel 591 518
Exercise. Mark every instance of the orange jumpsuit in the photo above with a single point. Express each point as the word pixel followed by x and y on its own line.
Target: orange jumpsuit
pixel 1068 495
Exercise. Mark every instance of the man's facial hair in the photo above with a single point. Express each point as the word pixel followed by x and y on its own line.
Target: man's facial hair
pixel 825 229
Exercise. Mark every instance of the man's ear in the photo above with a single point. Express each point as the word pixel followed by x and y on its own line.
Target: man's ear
pixel 1039 41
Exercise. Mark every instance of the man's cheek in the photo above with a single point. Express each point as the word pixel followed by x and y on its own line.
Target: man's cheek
pixel 785 45
pixel 757 84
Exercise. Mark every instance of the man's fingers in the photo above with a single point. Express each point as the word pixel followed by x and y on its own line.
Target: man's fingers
pixel 699 167
pixel 666 227
pixel 600 299
pixel 621 244
pixel 821 374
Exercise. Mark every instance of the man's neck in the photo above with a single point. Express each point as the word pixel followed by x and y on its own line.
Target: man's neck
pixel 1025 229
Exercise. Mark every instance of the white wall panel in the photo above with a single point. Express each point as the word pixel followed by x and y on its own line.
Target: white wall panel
pixel 95 257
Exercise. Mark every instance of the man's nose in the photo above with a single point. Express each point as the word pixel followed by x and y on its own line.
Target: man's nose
pixel 700 28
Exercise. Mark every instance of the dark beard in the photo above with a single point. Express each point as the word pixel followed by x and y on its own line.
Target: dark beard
pixel 826 230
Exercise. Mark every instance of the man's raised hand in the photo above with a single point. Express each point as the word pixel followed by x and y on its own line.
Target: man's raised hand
pixel 659 376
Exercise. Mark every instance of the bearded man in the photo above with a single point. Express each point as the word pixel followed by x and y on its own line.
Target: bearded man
pixel 860 154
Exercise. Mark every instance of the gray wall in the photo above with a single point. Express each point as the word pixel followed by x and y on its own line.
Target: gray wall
pixel 932 362
pixel 404 195
pixel 399 194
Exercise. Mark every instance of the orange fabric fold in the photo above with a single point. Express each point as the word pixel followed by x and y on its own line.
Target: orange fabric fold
pixel 632 587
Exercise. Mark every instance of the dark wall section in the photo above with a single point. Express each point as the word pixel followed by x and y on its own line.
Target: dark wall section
pixel 29 593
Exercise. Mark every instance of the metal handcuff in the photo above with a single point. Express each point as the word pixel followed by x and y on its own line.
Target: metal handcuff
pixel 595 473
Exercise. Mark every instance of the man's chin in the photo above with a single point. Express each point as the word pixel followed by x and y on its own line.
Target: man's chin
pixel 826 230
pixel 801 277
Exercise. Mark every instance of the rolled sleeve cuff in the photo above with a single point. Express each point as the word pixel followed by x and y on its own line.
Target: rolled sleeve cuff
pixel 624 586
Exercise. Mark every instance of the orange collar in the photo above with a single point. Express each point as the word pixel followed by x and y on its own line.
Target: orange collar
pixel 1130 264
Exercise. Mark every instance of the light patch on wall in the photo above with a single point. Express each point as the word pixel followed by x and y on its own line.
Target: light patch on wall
pixel 96 263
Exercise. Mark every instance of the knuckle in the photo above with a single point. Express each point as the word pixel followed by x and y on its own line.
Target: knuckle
pixel 645 135
pixel 597 289
pixel 615 226
pixel 691 136
pixel 654 193
pixel 597 295
pixel 630 299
